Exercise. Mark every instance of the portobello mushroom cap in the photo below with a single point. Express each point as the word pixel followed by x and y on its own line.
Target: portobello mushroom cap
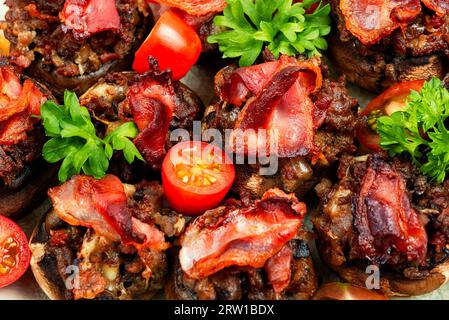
pixel 15 203
pixel 78 84
pixel 338 233
pixel 50 51
pixel 415 51
pixel 377 76
pixel 395 286
pixel 44 267
pixel 28 188
pixel 51 256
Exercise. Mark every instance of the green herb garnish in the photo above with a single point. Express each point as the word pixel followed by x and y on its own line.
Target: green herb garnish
pixel 284 27
pixel 421 130
pixel 74 140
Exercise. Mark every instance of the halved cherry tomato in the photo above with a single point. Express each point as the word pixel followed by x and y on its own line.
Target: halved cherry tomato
pixel 387 103
pixel 196 177
pixel 346 291
pixel 173 43
pixel 15 253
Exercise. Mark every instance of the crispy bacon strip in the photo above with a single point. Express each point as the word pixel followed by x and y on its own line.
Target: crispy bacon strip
pixel 83 201
pixel 14 130
pixel 10 83
pixel 371 20
pixel 441 7
pixel 196 7
pixel 17 104
pixel 383 217
pixel 103 206
pixel 154 238
pixel 280 104
pixel 87 17
pixel 279 269
pixel 247 236
pixel 152 104
pixel 110 201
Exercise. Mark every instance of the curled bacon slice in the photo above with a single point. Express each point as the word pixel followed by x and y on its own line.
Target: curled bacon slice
pixel 17 104
pixel 152 104
pixel 279 269
pixel 87 17
pixel 154 238
pixel 281 105
pixel 99 204
pixel 14 130
pixel 384 218
pixel 245 236
pixel 371 20
pixel 195 7
pixel 103 206
pixel 10 83
pixel 441 7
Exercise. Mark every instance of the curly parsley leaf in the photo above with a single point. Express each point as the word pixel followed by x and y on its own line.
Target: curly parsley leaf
pixel 74 140
pixel 421 130
pixel 284 27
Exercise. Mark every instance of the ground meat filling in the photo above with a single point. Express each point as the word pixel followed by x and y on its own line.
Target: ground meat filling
pixel 36 32
pixel 111 270
pixel 418 246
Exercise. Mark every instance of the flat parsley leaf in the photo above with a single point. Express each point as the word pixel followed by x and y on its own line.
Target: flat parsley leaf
pixel 420 130
pixel 74 140
pixel 284 27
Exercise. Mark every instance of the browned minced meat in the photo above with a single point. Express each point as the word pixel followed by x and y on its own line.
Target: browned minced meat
pixel 426 35
pixel 16 160
pixel 44 37
pixel 147 206
pixel 334 219
pixel 243 283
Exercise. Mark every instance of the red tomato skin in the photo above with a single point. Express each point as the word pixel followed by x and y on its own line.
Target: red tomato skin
pixel 173 43
pixel 399 89
pixel 184 199
pixel 369 139
pixel 9 228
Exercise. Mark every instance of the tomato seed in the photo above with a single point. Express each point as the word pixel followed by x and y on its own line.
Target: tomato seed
pixel 198 171
pixel 8 255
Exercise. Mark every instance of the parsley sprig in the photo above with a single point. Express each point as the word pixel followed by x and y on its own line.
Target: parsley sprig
pixel 284 27
pixel 74 140
pixel 421 130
